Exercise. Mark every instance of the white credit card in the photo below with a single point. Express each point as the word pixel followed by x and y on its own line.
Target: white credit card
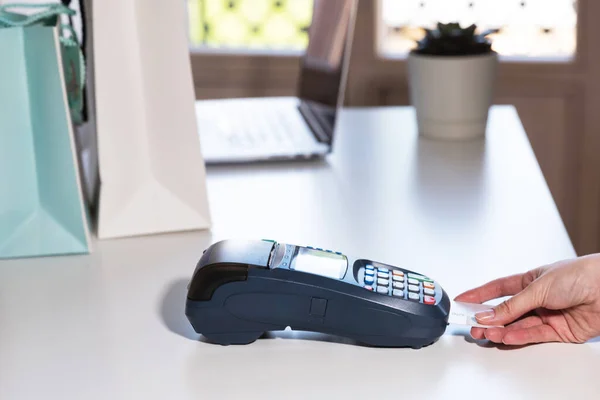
pixel 464 314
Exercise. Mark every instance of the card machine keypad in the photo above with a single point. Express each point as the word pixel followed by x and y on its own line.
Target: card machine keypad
pixel 398 283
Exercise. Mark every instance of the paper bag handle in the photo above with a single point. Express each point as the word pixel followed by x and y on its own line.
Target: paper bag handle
pixel 13 19
pixel 75 70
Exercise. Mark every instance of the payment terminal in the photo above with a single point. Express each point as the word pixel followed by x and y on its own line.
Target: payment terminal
pixel 241 289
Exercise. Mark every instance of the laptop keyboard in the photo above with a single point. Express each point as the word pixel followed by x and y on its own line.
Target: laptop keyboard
pixel 252 126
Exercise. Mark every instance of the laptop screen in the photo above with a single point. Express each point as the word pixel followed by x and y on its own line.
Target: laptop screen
pixel 323 72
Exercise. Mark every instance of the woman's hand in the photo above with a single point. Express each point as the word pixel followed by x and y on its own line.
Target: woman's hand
pixel 554 303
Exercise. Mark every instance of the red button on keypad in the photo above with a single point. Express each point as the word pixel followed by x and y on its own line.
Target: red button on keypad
pixel 428 300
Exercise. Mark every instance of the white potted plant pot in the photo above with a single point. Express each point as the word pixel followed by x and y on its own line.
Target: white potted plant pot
pixel 452 87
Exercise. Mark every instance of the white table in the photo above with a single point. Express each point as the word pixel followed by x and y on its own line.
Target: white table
pixel 110 326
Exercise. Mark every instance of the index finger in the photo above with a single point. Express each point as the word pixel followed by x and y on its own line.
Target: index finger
pixel 501 287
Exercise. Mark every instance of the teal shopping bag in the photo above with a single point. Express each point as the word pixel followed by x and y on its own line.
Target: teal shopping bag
pixel 42 210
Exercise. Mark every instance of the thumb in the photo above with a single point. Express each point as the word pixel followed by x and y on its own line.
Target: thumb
pixel 508 311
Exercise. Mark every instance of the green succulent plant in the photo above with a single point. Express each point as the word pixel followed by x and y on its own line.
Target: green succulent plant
pixel 453 40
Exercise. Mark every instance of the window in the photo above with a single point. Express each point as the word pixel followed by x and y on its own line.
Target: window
pixel 540 29
pixel 247 25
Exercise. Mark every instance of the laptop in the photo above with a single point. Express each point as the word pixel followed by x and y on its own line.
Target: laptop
pixel 245 130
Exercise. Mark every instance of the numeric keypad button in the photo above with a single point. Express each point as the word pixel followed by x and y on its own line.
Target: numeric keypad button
pixel 414 296
pixel 383 282
pixel 413 288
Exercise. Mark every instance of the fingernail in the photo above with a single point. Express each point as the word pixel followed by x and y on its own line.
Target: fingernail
pixel 486 315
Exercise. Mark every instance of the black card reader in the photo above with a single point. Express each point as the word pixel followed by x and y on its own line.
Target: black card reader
pixel 242 289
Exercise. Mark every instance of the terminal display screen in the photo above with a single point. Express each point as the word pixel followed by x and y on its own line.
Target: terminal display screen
pixel 321 263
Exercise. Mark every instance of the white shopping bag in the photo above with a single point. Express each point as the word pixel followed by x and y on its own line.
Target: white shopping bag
pixel 151 170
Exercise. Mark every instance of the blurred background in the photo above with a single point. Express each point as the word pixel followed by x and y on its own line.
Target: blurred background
pixel 550 71
pixel 536 28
